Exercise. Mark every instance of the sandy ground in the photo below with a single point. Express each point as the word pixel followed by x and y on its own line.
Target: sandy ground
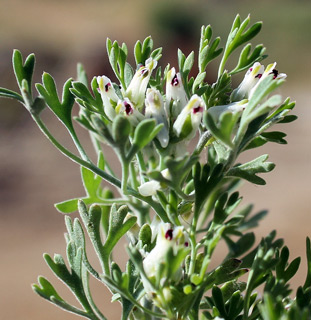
pixel 34 176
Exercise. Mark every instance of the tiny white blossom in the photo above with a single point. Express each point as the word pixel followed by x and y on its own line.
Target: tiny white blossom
pixel 150 188
pixel 251 77
pixel 175 92
pixel 138 86
pixel 191 117
pixel 269 70
pixel 167 238
pixel 155 109
pixel 108 96
pixel 126 108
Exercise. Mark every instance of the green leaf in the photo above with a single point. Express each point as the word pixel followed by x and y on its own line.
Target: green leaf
pixel 249 170
pixel 223 130
pixel 208 51
pixel 218 93
pixel 145 132
pixel 137 53
pixel 6 93
pixel 247 59
pixel 283 273
pixel 81 74
pixel 308 254
pixel 23 71
pixel 117 226
pixel 46 289
pixel 143 50
pixel 274 136
pixel 128 74
pixel 62 109
pixel 121 129
pixel 85 98
pixel 92 186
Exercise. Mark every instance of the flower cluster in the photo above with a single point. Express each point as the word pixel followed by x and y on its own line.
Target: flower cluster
pixel 180 116
pixel 164 263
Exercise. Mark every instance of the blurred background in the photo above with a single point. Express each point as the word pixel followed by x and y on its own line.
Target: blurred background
pixel 34 176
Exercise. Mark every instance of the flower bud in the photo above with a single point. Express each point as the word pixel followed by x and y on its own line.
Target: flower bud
pixel 175 92
pixel 108 96
pixel 167 238
pixel 252 78
pixel 150 188
pixel 155 109
pixel 234 107
pixel 125 107
pixel 138 86
pixel 269 70
pixel 189 119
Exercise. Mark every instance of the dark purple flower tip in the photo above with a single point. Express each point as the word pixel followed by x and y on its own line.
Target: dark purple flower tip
pixel 144 72
pixel 197 109
pixel 251 69
pixel 107 86
pixel 275 73
pixel 169 234
pixel 186 244
pixel 175 81
pixel 128 108
pixel 259 75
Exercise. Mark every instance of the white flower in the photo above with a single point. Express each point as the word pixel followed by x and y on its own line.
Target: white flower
pixel 126 108
pixel 155 109
pixel 252 79
pixel 167 238
pixel 234 107
pixel 269 70
pixel 189 119
pixel 175 92
pixel 138 86
pixel 150 188
pixel 108 96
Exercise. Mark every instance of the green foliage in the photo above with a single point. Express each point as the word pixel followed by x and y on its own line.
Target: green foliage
pixel 175 205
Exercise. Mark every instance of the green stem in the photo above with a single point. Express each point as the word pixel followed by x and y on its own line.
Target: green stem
pixel 222 64
pixel 98 149
pixel 205 137
pixel 142 167
pixel 114 181
pixel 193 242
pixel 72 309
pixel 134 181
pixel 125 176
pixel 78 145
pixel 112 201
pixel 89 165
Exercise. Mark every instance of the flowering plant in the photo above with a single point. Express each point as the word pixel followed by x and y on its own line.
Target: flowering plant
pixel 178 140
